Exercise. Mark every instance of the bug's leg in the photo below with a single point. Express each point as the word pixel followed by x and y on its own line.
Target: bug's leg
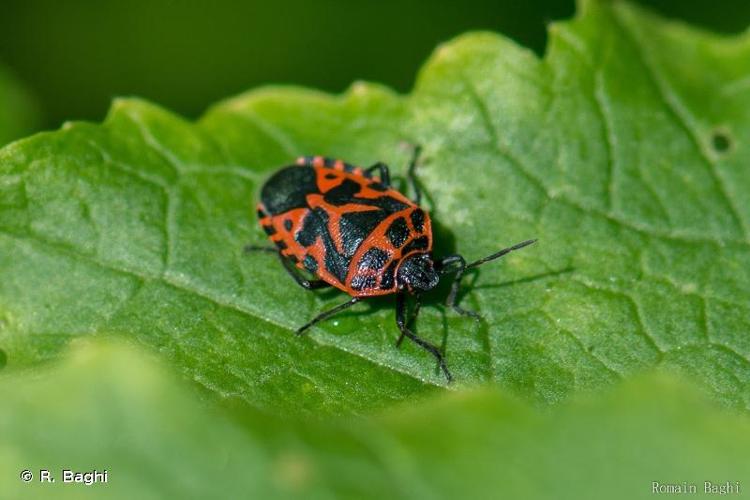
pixel 444 266
pixel 410 174
pixel 401 322
pixel 301 281
pixel 412 318
pixel 383 172
pixel 327 314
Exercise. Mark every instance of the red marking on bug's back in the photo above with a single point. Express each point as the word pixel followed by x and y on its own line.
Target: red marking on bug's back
pixel 286 226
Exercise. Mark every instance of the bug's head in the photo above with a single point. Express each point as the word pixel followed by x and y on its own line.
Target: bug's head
pixel 417 273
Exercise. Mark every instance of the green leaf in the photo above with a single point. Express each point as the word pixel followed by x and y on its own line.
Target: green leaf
pixel 622 151
pixel 112 408
pixel 109 407
pixel 19 114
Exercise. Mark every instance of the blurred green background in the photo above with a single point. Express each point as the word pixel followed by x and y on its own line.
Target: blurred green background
pixel 75 56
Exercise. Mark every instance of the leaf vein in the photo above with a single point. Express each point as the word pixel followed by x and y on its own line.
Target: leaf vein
pixel 190 288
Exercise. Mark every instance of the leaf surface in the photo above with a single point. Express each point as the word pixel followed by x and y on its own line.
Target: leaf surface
pixel 622 151
pixel 113 408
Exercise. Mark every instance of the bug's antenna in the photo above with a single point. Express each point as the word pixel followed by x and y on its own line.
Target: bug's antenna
pixel 499 254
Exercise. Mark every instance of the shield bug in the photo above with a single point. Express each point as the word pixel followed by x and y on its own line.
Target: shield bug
pixel 351 229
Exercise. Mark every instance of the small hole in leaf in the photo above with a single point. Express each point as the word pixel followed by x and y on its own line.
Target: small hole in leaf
pixel 3 359
pixel 721 141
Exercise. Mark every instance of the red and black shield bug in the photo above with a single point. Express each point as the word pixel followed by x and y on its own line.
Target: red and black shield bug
pixel 349 228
